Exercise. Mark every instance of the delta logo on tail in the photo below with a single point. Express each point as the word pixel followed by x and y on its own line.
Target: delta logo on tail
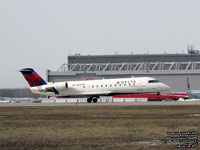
pixel 32 77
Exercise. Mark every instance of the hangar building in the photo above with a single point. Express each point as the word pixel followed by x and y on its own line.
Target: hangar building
pixel 172 69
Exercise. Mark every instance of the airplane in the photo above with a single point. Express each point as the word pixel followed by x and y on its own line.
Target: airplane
pixel 192 93
pixel 92 89
pixel 2 100
pixel 5 101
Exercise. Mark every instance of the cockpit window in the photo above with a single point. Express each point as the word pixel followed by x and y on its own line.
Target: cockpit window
pixel 154 81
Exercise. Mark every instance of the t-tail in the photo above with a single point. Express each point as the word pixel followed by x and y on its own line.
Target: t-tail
pixel 188 84
pixel 32 77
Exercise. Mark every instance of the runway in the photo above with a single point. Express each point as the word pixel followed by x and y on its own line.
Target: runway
pixel 102 104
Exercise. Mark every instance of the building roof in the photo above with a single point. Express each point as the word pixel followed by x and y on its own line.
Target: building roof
pixel 133 58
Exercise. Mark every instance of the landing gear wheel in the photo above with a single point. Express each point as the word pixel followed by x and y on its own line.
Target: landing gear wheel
pixel 95 100
pixel 89 100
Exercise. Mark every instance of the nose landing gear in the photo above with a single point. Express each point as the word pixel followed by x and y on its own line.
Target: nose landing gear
pixel 158 94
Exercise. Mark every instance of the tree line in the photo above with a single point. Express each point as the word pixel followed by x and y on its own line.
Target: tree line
pixel 17 93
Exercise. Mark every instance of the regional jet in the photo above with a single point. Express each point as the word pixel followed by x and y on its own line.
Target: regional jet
pixel 192 93
pixel 92 89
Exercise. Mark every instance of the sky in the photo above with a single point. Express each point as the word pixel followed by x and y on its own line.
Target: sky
pixel 41 33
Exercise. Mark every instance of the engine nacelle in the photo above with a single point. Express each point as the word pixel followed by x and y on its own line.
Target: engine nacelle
pixel 60 86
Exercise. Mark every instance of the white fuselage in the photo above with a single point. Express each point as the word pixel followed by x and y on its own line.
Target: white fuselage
pixel 101 87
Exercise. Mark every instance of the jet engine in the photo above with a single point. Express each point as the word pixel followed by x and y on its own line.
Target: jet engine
pixel 60 86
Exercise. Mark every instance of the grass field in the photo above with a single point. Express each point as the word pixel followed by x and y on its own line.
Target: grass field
pixel 94 127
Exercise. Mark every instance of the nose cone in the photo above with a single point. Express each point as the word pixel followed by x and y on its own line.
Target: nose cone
pixel 165 87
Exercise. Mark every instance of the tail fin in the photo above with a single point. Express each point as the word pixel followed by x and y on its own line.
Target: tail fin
pixel 188 84
pixel 32 77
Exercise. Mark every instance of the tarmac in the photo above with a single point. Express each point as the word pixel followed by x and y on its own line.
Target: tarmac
pixel 24 104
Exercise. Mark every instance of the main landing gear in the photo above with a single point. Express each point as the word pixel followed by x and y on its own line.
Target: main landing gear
pixel 94 99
